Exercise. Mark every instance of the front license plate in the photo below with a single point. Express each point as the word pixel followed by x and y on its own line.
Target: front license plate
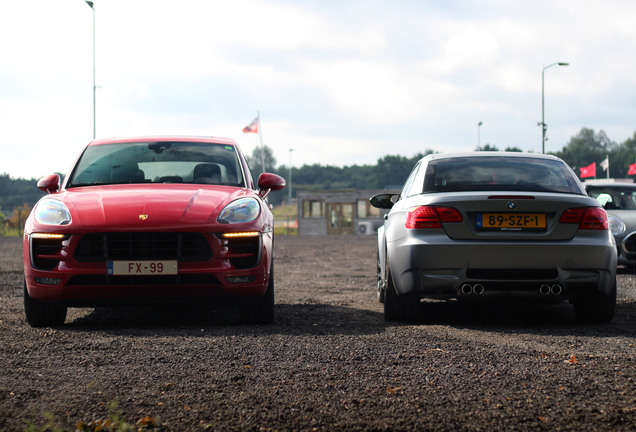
pixel 511 222
pixel 167 267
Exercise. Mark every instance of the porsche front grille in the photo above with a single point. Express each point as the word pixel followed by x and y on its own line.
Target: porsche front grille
pixel 244 252
pixel 183 246
pixel 46 253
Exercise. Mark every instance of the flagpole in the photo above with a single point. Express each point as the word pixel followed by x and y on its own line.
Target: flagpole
pixel 260 137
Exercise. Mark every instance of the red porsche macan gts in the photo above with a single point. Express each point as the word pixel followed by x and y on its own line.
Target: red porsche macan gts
pixel 151 219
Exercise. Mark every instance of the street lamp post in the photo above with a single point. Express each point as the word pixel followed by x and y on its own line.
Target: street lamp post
pixel 290 175
pixel 544 127
pixel 479 135
pixel 92 6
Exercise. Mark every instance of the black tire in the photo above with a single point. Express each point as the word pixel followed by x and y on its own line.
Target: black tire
pixel 596 308
pixel 260 310
pixel 404 307
pixel 43 314
pixel 380 282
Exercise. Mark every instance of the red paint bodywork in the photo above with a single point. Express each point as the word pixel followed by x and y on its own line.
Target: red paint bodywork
pixel 170 207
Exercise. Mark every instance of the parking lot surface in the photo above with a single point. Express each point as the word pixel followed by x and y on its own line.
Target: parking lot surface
pixel 329 362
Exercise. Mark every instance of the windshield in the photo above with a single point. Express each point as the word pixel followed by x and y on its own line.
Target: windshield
pixel 158 162
pixel 499 173
pixel 614 198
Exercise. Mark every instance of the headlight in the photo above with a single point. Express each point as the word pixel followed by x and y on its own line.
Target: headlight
pixel 52 212
pixel 241 210
pixel 616 225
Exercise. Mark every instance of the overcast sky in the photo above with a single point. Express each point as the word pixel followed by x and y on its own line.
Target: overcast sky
pixel 341 82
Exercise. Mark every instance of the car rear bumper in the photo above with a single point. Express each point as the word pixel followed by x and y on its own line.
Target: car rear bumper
pixel 437 267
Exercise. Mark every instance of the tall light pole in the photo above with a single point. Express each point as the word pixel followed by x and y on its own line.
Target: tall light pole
pixel 290 175
pixel 479 135
pixel 544 127
pixel 92 6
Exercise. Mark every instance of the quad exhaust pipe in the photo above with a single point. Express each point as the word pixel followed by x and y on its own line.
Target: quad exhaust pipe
pixel 478 289
pixel 468 289
pixel 555 289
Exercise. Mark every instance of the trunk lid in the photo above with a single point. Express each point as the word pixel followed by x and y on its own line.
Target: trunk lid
pixel 511 216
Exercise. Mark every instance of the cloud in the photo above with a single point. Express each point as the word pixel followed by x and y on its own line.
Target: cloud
pixel 355 79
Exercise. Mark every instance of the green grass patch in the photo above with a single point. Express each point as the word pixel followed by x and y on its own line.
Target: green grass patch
pixel 283 211
pixel 114 423
pixel 10 232
pixel 285 219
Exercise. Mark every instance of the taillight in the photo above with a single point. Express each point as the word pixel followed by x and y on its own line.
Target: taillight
pixel 431 217
pixel 589 218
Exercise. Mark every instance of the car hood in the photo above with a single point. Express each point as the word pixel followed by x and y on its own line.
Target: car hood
pixel 147 206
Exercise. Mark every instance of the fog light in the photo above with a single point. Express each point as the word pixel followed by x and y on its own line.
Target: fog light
pixel 48 281
pixel 240 279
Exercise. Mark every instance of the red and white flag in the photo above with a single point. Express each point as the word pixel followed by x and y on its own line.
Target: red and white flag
pixel 252 127
pixel 632 169
pixel 588 171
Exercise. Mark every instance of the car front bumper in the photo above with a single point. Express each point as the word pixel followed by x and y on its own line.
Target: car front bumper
pixel 85 283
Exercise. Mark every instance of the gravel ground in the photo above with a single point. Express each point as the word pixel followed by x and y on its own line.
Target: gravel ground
pixel 329 362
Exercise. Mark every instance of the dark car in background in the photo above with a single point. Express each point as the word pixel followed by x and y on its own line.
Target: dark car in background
pixel 619 200
pixel 495 225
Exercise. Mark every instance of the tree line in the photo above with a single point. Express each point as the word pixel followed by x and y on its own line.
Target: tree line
pixel 584 148
pixel 589 146
pixel 17 197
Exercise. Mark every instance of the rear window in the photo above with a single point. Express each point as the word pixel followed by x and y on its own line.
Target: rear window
pixel 499 174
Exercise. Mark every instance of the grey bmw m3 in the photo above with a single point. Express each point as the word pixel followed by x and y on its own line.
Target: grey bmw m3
pixel 492 225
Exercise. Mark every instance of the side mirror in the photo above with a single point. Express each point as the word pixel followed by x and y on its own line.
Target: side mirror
pixel 382 201
pixel 268 182
pixel 49 184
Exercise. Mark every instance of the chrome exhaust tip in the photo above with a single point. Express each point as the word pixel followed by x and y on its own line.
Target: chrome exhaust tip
pixel 467 289
pixel 556 290
pixel 544 289
pixel 478 289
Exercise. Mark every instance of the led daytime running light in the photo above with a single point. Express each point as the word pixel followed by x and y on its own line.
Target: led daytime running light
pixel 241 234
pixel 50 236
